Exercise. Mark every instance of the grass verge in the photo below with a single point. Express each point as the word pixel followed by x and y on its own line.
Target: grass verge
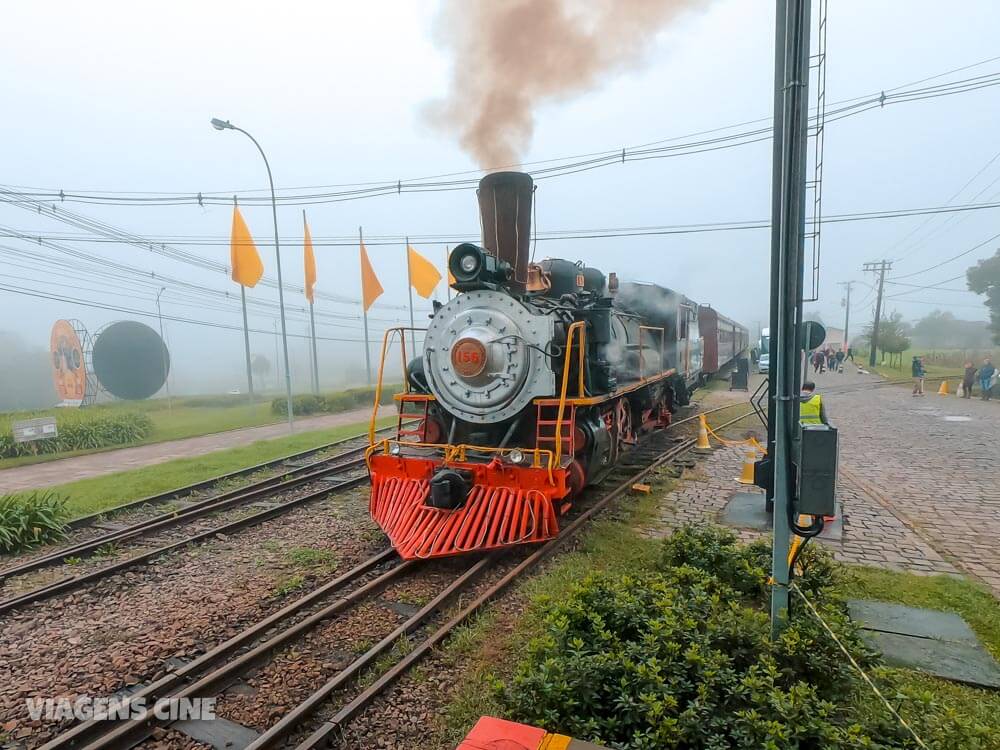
pixel 486 652
pixel 97 494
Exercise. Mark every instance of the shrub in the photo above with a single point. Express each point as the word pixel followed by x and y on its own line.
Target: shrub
pixel 681 657
pixel 26 521
pixel 81 429
pixel 351 398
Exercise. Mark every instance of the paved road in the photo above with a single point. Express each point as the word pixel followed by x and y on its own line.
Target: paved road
pixel 933 460
pixel 919 483
pixel 96 464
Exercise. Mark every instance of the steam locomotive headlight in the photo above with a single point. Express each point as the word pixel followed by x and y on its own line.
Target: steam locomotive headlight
pixel 469 263
pixel 516 456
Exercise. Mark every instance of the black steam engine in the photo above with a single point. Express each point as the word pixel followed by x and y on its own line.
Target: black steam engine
pixel 531 381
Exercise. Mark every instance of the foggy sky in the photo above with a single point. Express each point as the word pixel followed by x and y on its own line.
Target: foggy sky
pixel 117 96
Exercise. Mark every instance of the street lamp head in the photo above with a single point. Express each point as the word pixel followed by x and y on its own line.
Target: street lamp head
pixel 221 124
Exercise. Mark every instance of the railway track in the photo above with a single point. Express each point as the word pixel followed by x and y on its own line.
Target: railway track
pixel 290 466
pixel 337 474
pixel 213 671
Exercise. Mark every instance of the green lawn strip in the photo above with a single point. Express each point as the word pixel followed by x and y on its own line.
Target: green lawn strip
pixel 96 494
pixel 187 417
pixel 946 593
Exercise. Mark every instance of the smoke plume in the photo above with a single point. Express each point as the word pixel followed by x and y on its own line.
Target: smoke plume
pixel 510 56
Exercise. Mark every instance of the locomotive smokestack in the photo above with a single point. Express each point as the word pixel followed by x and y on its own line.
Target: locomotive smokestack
pixel 505 210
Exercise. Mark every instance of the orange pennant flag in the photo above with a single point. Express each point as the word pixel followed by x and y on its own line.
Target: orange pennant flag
pixel 447 257
pixel 370 288
pixel 246 266
pixel 423 275
pixel 310 260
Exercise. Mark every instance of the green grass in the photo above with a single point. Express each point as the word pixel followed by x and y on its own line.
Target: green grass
pixel 97 494
pixel 176 423
pixel 970 600
pixel 937 362
pixel 490 648
pixel 486 649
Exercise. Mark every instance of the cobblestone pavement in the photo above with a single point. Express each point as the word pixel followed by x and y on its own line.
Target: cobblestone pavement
pixel 919 483
pixel 122 459
pixel 871 535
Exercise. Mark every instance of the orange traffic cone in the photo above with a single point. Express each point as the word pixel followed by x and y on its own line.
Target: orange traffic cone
pixel 943 390
pixel 702 444
pixel 746 476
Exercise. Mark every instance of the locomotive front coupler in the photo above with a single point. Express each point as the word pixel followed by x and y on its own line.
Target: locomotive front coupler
pixel 449 489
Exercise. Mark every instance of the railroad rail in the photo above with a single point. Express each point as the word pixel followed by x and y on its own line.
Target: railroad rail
pixel 143 528
pixel 217 668
pixel 179 493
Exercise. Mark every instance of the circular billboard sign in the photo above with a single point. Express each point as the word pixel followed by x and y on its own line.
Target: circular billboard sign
pixel 131 360
pixel 69 368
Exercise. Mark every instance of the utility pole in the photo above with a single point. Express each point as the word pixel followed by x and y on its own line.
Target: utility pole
pixel 166 365
pixel 788 194
pixel 847 313
pixel 880 267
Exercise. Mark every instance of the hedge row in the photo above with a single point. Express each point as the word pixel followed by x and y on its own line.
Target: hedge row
pixel 681 657
pixel 79 429
pixel 326 403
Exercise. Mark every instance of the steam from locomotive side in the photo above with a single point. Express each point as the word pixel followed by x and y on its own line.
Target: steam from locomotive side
pixel 532 382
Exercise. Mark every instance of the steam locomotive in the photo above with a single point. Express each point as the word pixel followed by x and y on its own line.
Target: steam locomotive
pixel 531 383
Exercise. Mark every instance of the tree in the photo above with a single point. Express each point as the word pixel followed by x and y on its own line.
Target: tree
pixel 984 278
pixel 893 335
pixel 941 330
pixel 260 365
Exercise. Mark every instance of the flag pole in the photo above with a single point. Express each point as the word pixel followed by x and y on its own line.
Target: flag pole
pixel 312 327
pixel 364 313
pixel 409 288
pixel 246 341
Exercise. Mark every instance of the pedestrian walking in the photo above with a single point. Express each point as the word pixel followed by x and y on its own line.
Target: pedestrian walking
pixel 839 356
pixel 812 410
pixel 987 378
pixel 850 353
pixel 817 360
pixel 968 380
pixel 919 373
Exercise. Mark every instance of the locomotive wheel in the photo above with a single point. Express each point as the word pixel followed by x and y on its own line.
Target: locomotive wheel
pixel 623 419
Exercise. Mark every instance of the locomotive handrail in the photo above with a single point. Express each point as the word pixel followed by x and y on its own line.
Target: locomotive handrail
pixel 580 326
pixel 389 332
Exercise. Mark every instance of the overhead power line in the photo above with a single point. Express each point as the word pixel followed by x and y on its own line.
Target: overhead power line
pixel 155 244
pixel 570 166
pixel 144 313
pixel 949 260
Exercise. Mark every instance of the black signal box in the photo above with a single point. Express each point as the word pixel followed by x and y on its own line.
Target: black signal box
pixel 817 470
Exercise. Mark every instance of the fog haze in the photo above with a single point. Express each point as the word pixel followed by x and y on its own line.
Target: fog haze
pixel 117 96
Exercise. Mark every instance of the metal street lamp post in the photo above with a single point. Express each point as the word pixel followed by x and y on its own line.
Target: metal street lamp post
pixel 166 366
pixel 226 125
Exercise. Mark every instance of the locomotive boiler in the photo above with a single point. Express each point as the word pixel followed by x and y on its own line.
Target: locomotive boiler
pixel 530 383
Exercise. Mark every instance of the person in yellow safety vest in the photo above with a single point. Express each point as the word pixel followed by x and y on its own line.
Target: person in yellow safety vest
pixel 812 410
